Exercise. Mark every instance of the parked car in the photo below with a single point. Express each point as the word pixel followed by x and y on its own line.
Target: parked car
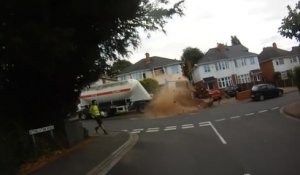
pixel 215 94
pixel 263 91
pixel 231 90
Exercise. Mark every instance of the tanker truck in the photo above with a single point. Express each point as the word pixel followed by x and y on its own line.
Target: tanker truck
pixel 117 97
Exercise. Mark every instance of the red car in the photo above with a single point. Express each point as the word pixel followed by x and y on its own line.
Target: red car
pixel 215 94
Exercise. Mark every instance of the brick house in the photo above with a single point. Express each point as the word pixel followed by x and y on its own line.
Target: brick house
pixel 225 66
pixel 273 59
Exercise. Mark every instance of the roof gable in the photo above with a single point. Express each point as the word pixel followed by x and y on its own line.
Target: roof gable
pixel 154 62
pixel 228 52
pixel 272 52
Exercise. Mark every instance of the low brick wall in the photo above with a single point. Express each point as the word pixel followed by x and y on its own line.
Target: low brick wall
pixel 243 95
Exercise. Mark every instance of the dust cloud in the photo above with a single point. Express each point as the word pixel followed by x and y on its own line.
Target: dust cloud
pixel 173 101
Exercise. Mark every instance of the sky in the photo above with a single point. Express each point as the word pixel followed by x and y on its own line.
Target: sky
pixel 208 22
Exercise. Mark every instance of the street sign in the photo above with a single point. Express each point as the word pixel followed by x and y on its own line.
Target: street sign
pixel 40 130
pixel 284 75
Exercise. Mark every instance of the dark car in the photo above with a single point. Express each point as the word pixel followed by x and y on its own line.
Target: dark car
pixel 231 90
pixel 263 91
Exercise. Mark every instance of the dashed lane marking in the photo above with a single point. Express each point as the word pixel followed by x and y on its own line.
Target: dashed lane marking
pixel 204 124
pixel 152 129
pixel 262 111
pixel 170 128
pixel 221 119
pixel 234 117
pixel 274 108
pixel 249 114
pixel 187 126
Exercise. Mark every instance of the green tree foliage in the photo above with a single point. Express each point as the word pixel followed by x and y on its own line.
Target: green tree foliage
pixel 297 76
pixel 235 41
pixel 118 66
pixel 150 84
pixel 290 25
pixel 190 57
pixel 50 50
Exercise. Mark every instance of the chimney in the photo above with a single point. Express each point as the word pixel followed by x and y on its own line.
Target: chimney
pixel 274 46
pixel 221 48
pixel 147 59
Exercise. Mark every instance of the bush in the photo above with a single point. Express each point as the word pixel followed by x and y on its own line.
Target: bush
pixel 150 85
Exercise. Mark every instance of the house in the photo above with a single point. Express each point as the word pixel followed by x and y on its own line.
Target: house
pixel 225 66
pixel 161 69
pixel 272 59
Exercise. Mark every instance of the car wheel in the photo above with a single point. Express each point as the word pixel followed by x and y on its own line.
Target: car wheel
pixel 280 93
pixel 261 97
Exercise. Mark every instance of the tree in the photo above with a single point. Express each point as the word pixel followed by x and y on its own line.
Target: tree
pixel 50 50
pixel 235 41
pixel 118 66
pixel 297 76
pixel 290 25
pixel 150 85
pixel 190 57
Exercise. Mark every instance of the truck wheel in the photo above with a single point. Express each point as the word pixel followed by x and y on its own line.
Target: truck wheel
pixel 141 108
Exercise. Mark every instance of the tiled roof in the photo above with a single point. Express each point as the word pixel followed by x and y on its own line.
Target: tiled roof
pixel 295 50
pixel 215 54
pixel 272 52
pixel 155 61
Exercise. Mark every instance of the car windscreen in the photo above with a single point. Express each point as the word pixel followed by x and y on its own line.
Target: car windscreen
pixel 254 88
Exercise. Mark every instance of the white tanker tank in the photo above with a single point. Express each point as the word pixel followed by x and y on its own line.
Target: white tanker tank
pixel 121 96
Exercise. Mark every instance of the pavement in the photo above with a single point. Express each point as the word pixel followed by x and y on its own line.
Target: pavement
pixel 101 152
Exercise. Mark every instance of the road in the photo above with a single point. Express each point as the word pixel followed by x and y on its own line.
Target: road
pixel 249 138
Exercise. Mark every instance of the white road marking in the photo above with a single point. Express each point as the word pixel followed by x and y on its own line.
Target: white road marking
pixel 204 124
pixel 246 174
pixel 135 132
pixel 187 126
pixel 170 128
pixel 138 129
pixel 275 108
pixel 125 130
pixel 249 114
pixel 153 128
pixel 262 111
pixel 221 119
pixel 218 134
pixel 234 117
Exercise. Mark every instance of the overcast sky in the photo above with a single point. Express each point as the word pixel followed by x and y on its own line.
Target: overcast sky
pixel 208 22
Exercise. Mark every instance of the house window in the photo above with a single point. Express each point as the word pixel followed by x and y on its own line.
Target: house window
pixel 137 76
pixel 252 61
pixel 224 82
pixel 206 68
pixel 244 78
pixel 293 59
pixel 174 69
pixel 279 61
pixel 222 65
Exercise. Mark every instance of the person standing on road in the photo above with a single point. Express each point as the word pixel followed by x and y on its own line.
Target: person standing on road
pixel 95 112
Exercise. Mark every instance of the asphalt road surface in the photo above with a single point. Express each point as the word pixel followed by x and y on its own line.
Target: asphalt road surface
pixel 249 138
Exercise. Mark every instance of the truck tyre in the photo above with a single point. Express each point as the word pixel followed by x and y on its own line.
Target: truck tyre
pixel 141 107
